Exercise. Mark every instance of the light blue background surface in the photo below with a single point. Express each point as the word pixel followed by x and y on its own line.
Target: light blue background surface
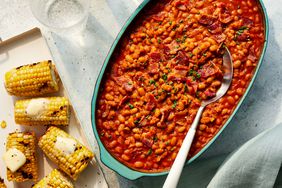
pixel 84 55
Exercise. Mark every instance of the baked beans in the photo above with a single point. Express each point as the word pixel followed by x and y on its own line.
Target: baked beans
pixel 164 66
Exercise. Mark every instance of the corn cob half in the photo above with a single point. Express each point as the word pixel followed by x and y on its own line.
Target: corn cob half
pixel 42 111
pixel 2 184
pixel 70 160
pixel 32 80
pixel 54 180
pixel 26 143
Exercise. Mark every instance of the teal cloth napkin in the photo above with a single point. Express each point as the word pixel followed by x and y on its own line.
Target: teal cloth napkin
pixel 255 164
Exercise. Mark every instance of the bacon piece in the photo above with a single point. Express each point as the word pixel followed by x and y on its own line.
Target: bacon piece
pixel 144 122
pixel 155 56
pixel 181 67
pixel 151 102
pixel 153 68
pixel 159 17
pixel 181 5
pixel 179 73
pixel 124 82
pixel 171 48
pixel 123 100
pixel 206 20
pixel 243 37
pixel 208 70
pixel 220 37
pixel 192 85
pixel 216 27
pixel 247 22
pixel 252 57
pixel 181 58
pixel 210 93
pixel 147 142
pixel 225 15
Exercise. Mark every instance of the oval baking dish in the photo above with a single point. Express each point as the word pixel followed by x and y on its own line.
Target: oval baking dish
pixel 131 173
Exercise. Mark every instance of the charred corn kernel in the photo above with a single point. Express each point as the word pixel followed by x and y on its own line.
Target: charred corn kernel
pixel 32 80
pixel 54 180
pixel 26 143
pixel 42 111
pixel 70 160
pixel 2 184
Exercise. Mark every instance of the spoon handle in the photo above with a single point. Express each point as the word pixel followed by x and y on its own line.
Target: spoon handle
pixel 176 169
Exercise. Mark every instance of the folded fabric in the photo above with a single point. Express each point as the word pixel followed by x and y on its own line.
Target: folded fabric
pixel 254 165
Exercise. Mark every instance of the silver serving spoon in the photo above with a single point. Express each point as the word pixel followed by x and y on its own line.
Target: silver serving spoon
pixel 176 169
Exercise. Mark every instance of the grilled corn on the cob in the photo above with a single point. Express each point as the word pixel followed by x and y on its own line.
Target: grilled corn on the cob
pixel 70 155
pixel 54 180
pixel 25 143
pixel 42 111
pixel 32 80
pixel 2 184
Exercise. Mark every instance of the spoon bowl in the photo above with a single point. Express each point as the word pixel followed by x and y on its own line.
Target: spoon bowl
pixel 176 169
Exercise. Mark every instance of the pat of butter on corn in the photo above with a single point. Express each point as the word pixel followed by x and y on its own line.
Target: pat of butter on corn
pixel 14 159
pixel 36 107
pixel 66 145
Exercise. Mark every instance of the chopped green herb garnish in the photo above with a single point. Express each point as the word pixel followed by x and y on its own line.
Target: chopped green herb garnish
pixel 155 138
pixel 205 54
pixel 152 82
pixel 136 121
pixel 129 83
pixel 164 77
pixel 194 74
pixel 243 28
pixel 191 72
pixel 177 40
pixel 159 41
pixel 170 23
pixel 174 104
pixel 168 69
pixel 147 117
pixel 240 31
pixel 184 38
pixel 185 88
pixel 130 106
pixel 190 54
pixel 149 152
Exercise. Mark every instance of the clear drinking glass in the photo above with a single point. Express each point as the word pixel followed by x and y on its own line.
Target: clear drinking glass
pixel 61 16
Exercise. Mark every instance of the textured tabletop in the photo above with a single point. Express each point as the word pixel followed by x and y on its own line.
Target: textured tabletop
pixel 82 58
